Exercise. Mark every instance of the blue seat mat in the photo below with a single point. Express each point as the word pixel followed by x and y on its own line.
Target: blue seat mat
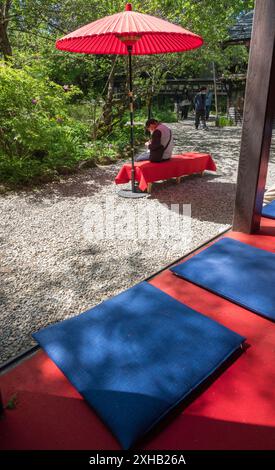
pixel 269 210
pixel 137 355
pixel 236 271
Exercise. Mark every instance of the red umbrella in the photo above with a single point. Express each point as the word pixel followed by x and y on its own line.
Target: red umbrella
pixel 129 33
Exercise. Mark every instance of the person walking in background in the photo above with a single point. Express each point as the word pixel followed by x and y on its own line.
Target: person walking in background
pixel 208 103
pixel 184 106
pixel 200 107
pixel 177 105
pixel 239 110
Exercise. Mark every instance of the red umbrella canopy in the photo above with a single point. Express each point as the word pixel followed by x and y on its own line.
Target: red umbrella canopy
pixel 146 34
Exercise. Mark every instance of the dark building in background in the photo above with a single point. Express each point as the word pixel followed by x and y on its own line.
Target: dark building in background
pixel 239 34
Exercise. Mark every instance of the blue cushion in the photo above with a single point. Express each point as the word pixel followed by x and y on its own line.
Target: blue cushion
pixel 135 356
pixel 269 210
pixel 237 271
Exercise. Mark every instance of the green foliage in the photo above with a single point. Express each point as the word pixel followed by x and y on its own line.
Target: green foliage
pixel 165 115
pixel 34 115
pixel 223 121
pixel 44 133
pixel 161 114
pixel 117 146
pixel 36 132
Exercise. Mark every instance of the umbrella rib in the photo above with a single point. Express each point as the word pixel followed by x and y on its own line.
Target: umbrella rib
pixel 150 44
pixel 83 45
pixel 108 26
pixel 118 22
pixel 167 41
pixel 188 42
pixel 174 42
pixel 147 43
pixel 140 21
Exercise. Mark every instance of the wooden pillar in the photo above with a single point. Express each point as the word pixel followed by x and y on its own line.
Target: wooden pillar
pixel 215 90
pixel 259 111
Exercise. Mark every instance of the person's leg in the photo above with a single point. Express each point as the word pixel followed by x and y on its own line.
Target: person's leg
pixel 203 119
pixel 142 157
pixel 197 119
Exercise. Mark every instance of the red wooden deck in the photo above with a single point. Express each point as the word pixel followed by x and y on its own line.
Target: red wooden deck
pixel 235 411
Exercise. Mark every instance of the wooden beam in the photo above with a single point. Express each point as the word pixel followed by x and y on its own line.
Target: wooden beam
pixel 149 188
pixel 259 111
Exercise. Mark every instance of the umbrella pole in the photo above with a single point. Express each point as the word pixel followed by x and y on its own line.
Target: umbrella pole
pixel 131 103
pixel 134 192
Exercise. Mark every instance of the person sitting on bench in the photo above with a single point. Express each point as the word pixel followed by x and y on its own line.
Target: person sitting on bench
pixel 160 146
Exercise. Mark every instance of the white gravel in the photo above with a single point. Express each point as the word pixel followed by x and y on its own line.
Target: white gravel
pixel 53 266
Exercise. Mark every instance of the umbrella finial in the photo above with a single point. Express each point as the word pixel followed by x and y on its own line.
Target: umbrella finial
pixel 128 7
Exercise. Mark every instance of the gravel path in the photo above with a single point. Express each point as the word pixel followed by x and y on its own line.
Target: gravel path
pixel 52 264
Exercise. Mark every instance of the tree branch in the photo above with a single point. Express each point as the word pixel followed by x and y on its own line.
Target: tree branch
pixel 31 33
pixel 8 18
pixel 6 7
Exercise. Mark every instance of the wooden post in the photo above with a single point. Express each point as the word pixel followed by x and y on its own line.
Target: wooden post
pixel 259 111
pixel 149 188
pixel 215 91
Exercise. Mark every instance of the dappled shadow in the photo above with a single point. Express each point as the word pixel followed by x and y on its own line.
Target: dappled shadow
pixel 85 183
pixel 59 295
pixel 189 432
pixel 49 405
pixel 49 419
pixel 210 200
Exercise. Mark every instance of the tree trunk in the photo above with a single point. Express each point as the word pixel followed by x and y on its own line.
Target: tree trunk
pixel 5 46
pixel 107 109
pixel 149 107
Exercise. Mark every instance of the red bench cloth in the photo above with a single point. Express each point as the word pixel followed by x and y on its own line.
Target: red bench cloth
pixel 179 165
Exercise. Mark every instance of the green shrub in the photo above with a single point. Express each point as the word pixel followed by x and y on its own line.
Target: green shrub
pixel 44 132
pixel 37 135
pixel 223 121
pixel 17 171
pixel 116 145
pixel 34 120
pixel 165 115
pixel 162 114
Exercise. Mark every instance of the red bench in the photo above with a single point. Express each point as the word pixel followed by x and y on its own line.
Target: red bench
pixel 147 172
